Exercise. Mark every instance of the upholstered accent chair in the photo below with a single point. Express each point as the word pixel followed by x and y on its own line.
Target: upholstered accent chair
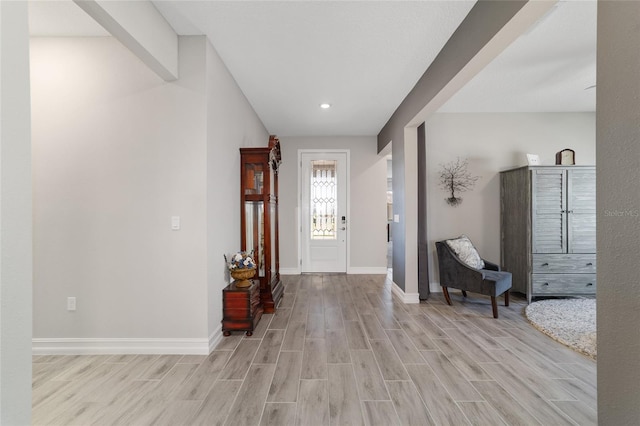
pixel 454 259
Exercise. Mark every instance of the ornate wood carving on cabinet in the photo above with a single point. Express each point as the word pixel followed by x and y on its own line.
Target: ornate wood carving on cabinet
pixel 259 217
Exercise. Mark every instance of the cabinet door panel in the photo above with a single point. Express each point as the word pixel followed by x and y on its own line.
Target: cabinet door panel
pixel 548 217
pixel 581 204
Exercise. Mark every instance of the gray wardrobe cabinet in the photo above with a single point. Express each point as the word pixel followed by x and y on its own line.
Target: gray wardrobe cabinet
pixel 548 229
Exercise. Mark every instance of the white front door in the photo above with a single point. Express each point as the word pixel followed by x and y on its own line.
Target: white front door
pixel 324 224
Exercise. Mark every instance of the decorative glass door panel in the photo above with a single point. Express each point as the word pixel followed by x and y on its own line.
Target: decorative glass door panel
pixel 273 236
pixel 254 179
pixel 254 232
pixel 323 206
pixel 323 199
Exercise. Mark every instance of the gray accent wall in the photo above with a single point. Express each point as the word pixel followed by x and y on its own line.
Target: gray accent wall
pixel 618 210
pixel 15 217
pixel 423 237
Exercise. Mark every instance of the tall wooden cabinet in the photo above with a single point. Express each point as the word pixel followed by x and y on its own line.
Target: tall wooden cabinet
pixel 548 229
pixel 259 217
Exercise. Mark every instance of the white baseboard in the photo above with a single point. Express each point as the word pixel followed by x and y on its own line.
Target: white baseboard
pixel 214 339
pixel 95 346
pixel 367 270
pixel 405 297
pixel 354 270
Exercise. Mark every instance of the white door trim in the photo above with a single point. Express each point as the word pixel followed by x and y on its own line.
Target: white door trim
pixel 348 197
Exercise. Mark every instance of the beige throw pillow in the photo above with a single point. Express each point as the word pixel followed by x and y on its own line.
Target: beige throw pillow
pixel 464 249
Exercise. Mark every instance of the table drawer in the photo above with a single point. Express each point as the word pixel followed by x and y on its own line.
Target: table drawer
pixel 236 314
pixel 564 263
pixel 237 303
pixel 564 284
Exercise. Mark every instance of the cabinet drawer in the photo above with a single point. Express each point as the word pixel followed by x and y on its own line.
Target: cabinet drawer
pixel 237 295
pixel 236 314
pixel 237 304
pixel 564 263
pixel 564 284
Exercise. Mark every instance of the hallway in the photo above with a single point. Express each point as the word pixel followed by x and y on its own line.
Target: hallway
pixel 339 350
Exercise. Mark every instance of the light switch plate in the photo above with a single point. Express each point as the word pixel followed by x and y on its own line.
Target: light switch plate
pixel 396 218
pixel 175 223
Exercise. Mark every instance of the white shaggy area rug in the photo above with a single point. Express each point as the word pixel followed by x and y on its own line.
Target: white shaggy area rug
pixel 571 322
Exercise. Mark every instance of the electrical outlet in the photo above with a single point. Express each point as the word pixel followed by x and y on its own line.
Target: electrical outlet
pixel 71 303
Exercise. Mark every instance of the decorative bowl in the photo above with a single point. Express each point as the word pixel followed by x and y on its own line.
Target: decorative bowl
pixel 242 276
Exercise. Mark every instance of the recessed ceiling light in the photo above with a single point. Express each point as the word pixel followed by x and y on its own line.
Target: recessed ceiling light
pixel 325 106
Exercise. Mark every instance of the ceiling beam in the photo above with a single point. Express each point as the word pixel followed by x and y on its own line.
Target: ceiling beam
pixel 142 29
pixel 519 24
pixel 489 28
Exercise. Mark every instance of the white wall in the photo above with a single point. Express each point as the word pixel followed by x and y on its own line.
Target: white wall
pixel 492 143
pixel 368 201
pixel 117 153
pixel 231 124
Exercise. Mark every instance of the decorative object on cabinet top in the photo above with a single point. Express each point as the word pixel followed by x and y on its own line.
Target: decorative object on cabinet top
pixel 240 260
pixel 566 157
pixel 275 156
pixel 242 268
pixel 454 177
pixel 533 160
pixel 242 276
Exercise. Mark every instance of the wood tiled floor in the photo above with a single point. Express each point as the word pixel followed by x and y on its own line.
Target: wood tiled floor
pixel 340 350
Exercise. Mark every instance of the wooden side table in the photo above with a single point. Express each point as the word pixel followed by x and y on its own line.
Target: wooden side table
pixel 241 308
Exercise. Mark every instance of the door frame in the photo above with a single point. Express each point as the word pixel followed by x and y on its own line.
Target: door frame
pixel 348 198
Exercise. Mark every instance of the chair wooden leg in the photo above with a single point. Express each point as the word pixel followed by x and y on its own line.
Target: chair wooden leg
pixel 494 305
pixel 446 295
pixel 464 293
pixel 506 298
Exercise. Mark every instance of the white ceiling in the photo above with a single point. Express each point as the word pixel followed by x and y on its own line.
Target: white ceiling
pixel 547 69
pixel 363 57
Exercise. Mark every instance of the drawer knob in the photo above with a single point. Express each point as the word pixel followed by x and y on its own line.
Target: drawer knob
pixel 589 264
pixel 545 264
pixel 589 284
pixel 545 284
